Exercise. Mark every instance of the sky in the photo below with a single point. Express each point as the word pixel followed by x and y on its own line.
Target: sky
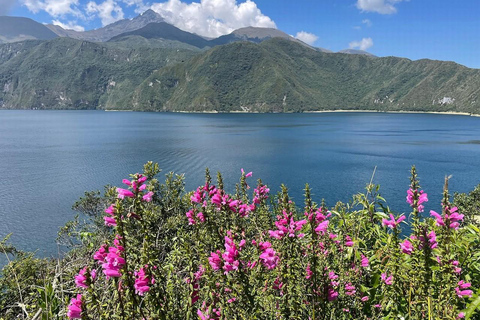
pixel 414 29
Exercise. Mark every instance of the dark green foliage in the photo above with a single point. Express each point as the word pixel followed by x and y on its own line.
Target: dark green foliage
pixel 470 204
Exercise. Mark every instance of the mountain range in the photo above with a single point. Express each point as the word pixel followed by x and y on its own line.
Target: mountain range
pixel 145 63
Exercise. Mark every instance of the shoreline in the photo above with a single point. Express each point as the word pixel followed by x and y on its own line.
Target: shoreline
pixel 454 113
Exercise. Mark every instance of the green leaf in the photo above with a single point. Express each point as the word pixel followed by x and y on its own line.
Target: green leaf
pixel 473 306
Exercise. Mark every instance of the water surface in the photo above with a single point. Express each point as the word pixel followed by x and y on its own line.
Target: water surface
pixel 49 158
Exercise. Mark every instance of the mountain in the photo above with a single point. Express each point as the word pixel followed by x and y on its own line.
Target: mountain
pixel 14 29
pixel 67 73
pixel 257 35
pixel 111 30
pixel 166 31
pixel 353 51
pixel 282 76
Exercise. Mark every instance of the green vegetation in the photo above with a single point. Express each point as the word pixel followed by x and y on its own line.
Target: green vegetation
pixel 277 75
pixel 153 251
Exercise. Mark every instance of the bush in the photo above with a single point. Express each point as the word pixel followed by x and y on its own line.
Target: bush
pixel 250 255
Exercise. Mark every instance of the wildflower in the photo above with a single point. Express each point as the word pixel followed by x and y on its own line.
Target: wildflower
pixel 456 268
pixel 269 258
pixel 387 280
pixel 215 261
pixel 287 226
pixel 75 308
pixel 248 174
pixel 332 294
pixel 364 299
pixel 348 242
pixel 451 218
pixel 350 289
pixel 364 261
pixel 461 315
pixel 81 278
pixel 122 193
pixel 142 282
pixel 322 227
pixel 460 290
pixel 230 255
pixel 100 254
pixel 392 223
pixel 114 261
pixel 422 197
pixel 148 196
pixel 406 247
pixel 309 272
pixel 110 221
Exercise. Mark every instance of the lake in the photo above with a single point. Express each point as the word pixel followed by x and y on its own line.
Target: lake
pixel 49 158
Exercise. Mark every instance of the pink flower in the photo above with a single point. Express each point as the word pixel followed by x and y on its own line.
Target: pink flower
pixel 348 241
pixel 248 174
pixel 332 294
pixel 387 280
pixel 364 261
pixel 101 254
pixel 287 226
pixel 215 261
pixel 148 196
pixel 110 221
pixel 142 282
pixel 114 261
pixel 309 272
pixel 350 289
pixel 81 278
pixel 75 308
pixel 269 258
pixel 422 197
pixel 122 193
pixel 456 268
pixel 461 315
pixel 406 247
pixel 322 227
pixel 392 224
pixel 364 299
pixel 438 217
pixel 451 219
pixel 460 290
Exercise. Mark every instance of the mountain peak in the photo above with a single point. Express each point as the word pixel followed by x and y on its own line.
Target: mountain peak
pixel 150 15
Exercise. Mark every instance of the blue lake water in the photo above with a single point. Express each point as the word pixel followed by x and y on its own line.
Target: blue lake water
pixel 49 158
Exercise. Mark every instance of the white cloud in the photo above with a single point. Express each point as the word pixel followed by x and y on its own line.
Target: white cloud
pixel 212 18
pixel 140 6
pixel 363 44
pixel 367 22
pixel 308 38
pixel 379 6
pixel 68 26
pixel 108 11
pixel 55 8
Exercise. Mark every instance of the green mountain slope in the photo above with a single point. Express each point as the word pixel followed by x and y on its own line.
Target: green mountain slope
pixel 66 73
pixel 282 76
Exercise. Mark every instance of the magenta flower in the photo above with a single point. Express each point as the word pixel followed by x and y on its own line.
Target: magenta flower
pixel 142 282
pixel 348 241
pixel 148 196
pixel 122 193
pixel 364 261
pixel 461 315
pixel 322 227
pixel 387 280
pixel 287 226
pixel 114 261
pixel 350 289
pixel 269 258
pixel 215 261
pixel 460 290
pixel 101 254
pixel 309 272
pixel 230 255
pixel 248 174
pixel 456 268
pixel 75 308
pixel 364 299
pixel 261 193
pixel 406 247
pixel 332 294
pixel 110 220
pixel 451 218
pixel 81 279
pixel 422 197
pixel 392 223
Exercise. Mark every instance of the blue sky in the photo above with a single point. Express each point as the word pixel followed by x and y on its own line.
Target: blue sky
pixel 415 29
